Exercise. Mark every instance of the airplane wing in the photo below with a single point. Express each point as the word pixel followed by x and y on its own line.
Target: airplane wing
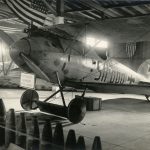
pixel 140 89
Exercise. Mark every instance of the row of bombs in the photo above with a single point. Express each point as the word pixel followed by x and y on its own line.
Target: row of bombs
pixel 14 130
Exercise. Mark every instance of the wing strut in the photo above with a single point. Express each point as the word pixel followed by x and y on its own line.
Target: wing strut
pixel 60 88
pixel 147 97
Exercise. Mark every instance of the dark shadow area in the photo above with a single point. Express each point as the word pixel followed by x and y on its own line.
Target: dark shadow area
pixel 43 117
pixel 127 104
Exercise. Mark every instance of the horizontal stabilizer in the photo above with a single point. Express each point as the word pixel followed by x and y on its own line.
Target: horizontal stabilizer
pixel 144 83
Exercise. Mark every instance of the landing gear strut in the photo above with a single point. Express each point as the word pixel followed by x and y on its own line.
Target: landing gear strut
pixel 75 111
pixel 147 97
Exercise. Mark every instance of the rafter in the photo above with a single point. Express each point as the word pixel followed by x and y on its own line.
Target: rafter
pixel 60 7
pixel 77 10
pixel 98 8
pixel 127 4
pixel 77 17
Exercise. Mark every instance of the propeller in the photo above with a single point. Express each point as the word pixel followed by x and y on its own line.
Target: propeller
pixel 6 38
pixel 35 68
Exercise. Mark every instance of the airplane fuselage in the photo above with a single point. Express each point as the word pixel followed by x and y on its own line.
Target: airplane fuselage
pixel 71 64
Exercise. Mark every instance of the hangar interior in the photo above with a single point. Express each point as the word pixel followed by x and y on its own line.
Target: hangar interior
pixel 85 57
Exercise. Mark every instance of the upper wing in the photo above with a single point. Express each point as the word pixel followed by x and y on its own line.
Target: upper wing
pixel 141 89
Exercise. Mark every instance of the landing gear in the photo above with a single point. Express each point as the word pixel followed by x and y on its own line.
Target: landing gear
pixel 147 97
pixel 75 111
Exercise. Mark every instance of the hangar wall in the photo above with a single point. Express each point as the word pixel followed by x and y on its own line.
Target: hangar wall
pixel 10 73
pixel 131 54
pixel 5 61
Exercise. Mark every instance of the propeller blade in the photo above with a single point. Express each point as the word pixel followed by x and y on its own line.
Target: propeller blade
pixel 35 68
pixel 6 38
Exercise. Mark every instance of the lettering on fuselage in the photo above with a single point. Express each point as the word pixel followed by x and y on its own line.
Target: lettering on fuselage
pixel 109 73
pixel 111 76
pixel 131 80
pixel 99 76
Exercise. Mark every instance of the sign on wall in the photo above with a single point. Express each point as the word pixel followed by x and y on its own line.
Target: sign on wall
pixel 27 80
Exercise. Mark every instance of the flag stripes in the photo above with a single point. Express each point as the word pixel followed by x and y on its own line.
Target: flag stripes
pixel 39 5
pixel 130 49
pixel 30 11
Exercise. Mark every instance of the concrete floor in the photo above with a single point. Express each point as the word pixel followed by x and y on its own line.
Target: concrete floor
pixel 123 123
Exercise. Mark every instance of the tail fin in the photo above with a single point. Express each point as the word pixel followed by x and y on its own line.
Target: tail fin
pixel 135 55
pixel 144 69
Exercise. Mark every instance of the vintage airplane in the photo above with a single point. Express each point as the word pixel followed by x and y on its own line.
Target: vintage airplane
pixel 65 61
pixel 42 54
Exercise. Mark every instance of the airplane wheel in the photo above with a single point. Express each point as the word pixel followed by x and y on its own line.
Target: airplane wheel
pixel 76 110
pixel 147 97
pixel 28 100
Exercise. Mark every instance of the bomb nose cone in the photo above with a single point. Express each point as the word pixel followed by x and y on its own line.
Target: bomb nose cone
pixel 2 109
pixel 97 144
pixel 21 138
pixel 71 140
pixel 46 141
pixel 10 131
pixel 58 138
pixel 35 130
pixel 2 123
pixel 10 118
pixel 33 141
pixel 81 143
pixel 47 132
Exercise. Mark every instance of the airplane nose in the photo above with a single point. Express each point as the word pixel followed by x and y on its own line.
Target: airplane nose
pixel 21 46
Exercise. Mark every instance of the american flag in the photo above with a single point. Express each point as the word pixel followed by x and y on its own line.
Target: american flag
pixel 34 11
pixel 130 49
pixel 39 5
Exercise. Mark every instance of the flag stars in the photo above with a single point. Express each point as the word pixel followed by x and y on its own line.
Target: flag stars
pixel 39 5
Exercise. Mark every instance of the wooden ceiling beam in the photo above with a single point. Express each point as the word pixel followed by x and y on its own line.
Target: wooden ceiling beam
pixel 98 7
pixel 77 10
pixel 137 3
pixel 60 7
pixel 77 17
